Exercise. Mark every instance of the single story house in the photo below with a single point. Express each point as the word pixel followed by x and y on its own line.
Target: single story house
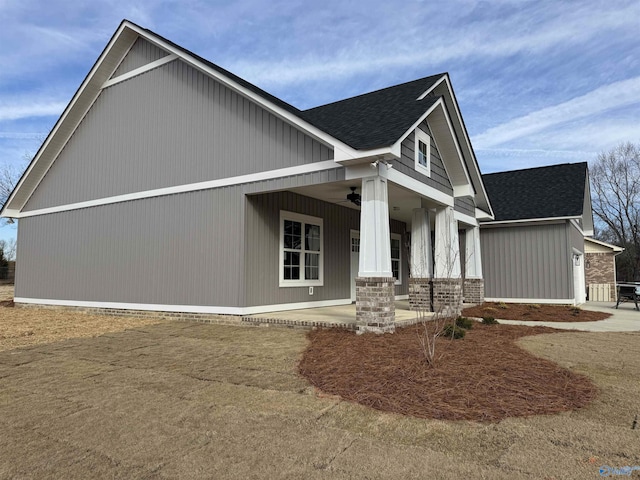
pixel 600 269
pixel 171 184
pixel 533 249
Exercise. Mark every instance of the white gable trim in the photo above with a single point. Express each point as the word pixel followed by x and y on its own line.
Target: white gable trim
pixel 139 70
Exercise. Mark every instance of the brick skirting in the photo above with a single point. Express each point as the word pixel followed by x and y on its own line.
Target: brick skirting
pixel 375 304
pixel 420 294
pixel 447 296
pixel 473 290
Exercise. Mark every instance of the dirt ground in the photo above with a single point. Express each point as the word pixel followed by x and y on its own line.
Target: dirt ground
pixel 534 312
pixel 186 400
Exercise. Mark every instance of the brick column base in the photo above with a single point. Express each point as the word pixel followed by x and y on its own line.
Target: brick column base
pixel 447 296
pixel 473 290
pixel 375 307
pixel 420 294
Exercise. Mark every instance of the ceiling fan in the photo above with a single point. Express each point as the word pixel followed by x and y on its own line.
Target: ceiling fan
pixel 354 197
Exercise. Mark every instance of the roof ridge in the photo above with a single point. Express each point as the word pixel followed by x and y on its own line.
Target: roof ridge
pixel 377 91
pixel 555 165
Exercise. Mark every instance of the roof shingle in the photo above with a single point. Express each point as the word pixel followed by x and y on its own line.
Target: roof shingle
pixel 542 192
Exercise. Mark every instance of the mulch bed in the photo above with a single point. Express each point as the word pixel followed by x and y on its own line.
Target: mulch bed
pixel 6 303
pixel 534 312
pixel 484 376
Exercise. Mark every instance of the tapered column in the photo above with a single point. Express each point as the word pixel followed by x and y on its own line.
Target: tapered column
pixel 421 261
pixel 375 285
pixel 473 285
pixel 447 281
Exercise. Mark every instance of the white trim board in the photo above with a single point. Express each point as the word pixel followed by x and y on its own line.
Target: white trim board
pixel 190 187
pixel 140 70
pixel 184 308
pixel 551 301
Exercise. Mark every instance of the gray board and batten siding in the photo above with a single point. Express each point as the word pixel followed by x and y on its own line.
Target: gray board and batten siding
pixel 170 126
pixel 262 229
pixel 140 54
pixel 529 262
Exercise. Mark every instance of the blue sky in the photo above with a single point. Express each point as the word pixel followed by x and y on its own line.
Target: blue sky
pixel 538 82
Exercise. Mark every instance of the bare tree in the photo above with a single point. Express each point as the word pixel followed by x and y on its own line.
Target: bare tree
pixel 8 250
pixel 615 182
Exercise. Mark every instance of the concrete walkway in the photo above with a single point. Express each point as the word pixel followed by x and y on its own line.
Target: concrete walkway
pixel 625 319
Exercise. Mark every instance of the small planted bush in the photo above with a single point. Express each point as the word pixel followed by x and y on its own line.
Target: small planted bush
pixel 452 331
pixel 489 321
pixel 464 322
pixel 502 305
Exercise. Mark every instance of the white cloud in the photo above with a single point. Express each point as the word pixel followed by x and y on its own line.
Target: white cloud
pixel 30 110
pixel 600 100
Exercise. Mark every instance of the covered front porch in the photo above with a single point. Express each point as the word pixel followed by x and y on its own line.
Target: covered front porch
pixel 339 316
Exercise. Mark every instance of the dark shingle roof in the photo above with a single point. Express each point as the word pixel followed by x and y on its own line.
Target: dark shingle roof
pixel 375 119
pixel 543 192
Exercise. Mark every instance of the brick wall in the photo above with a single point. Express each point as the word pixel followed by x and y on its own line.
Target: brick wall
pixel 420 294
pixel 447 296
pixel 473 290
pixel 375 304
pixel 599 269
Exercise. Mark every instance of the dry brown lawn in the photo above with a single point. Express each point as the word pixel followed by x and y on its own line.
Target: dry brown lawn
pixel 185 400
pixel 534 312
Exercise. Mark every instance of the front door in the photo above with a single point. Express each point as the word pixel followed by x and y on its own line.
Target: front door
pixel 355 261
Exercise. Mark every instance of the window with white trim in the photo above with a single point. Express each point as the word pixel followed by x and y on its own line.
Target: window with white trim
pixel 301 250
pixel 423 152
pixel 396 269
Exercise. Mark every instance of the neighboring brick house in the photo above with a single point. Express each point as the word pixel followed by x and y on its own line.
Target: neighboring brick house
pixel 600 269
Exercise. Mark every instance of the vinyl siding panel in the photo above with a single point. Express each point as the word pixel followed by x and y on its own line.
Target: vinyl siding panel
pixel 178 249
pixel 465 205
pixel 527 262
pixel 438 178
pixel 141 53
pixel 263 244
pixel 170 126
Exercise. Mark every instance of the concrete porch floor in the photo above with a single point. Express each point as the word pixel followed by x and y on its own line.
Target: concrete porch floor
pixel 338 316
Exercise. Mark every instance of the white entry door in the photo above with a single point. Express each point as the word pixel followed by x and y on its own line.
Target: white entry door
pixel 355 261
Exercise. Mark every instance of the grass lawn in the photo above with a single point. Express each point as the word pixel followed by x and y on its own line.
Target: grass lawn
pixel 186 400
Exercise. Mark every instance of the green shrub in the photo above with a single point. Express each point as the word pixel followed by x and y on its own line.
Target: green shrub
pixel 489 320
pixel 451 331
pixel 464 322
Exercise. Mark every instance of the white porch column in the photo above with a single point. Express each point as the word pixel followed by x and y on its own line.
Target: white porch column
pixel 473 286
pixel 375 285
pixel 421 262
pixel 447 249
pixel 375 237
pixel 472 253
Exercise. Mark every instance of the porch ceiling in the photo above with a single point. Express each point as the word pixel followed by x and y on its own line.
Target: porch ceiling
pixel 401 201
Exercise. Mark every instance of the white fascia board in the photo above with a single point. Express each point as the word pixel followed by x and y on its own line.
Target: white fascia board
pixel 90 88
pixel 464 218
pixel 416 186
pixel 183 308
pixel 526 220
pixel 482 215
pixel 190 187
pixel 432 88
pixel 341 150
pixel 465 135
pixel 615 248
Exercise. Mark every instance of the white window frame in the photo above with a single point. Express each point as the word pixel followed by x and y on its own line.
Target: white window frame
pixel 423 137
pixel 304 219
pixel 397 236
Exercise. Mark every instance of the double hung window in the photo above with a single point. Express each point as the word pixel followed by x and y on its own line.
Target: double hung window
pixel 300 250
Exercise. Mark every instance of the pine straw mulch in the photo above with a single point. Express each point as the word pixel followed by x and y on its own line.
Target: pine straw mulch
pixel 484 376
pixel 534 312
